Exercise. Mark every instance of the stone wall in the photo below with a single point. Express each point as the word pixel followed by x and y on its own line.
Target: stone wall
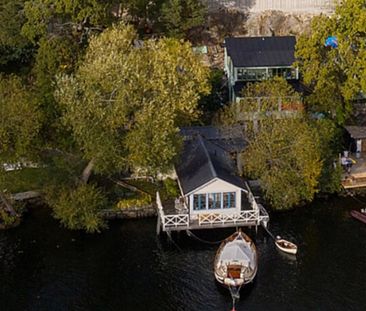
pixel 130 212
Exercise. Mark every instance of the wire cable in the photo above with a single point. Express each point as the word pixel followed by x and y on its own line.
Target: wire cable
pixel 190 234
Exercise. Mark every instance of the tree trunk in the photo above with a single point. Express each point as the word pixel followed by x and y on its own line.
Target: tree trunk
pixel 87 172
pixel 6 205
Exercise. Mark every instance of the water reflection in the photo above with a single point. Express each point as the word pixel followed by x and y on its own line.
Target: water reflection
pixel 44 267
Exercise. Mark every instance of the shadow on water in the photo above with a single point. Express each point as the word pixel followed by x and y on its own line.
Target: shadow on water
pixel 45 267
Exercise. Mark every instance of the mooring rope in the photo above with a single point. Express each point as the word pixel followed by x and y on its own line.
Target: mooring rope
pixel 173 242
pixel 269 232
pixel 234 296
pixel 356 199
pixel 190 234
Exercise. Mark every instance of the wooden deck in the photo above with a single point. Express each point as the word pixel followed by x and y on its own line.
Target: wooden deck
pixel 356 178
pixel 170 219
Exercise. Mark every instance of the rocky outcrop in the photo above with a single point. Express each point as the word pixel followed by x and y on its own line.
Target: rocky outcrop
pixel 230 22
pixel 270 23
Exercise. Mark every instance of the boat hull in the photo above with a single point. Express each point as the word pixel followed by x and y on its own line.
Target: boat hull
pixel 358 215
pixel 235 282
pixel 290 248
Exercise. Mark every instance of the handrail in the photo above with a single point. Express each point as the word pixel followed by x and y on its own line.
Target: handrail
pixel 215 218
pixel 179 220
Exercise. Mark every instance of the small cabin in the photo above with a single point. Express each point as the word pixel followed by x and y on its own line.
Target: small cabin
pixel 355 175
pixel 212 192
pixel 253 59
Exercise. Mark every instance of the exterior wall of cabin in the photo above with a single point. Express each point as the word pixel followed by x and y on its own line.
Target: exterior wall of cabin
pixel 264 73
pixel 235 74
pixel 229 70
pixel 219 188
pixel 362 145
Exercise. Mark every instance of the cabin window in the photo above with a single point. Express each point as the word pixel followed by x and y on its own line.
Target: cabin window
pixel 252 74
pixel 211 201
pixel 199 202
pixel 229 200
pixel 287 73
pixel 214 200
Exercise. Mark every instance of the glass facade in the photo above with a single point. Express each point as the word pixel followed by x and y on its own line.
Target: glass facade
pixel 244 74
pixel 257 74
pixel 211 201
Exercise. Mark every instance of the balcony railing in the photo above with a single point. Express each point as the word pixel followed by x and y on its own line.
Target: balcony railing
pixel 237 218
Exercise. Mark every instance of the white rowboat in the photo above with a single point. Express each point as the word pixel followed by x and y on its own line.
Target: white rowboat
pixel 286 246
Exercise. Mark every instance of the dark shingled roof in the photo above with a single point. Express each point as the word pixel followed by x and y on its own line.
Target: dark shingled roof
pixel 356 132
pixel 230 138
pixel 261 51
pixel 202 161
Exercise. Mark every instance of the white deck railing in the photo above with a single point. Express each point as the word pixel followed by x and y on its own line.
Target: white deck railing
pixel 171 221
pixel 175 221
pixel 263 215
pixel 237 218
pixel 179 221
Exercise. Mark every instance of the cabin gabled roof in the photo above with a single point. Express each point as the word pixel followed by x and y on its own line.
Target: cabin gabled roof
pixel 261 51
pixel 230 138
pixel 202 161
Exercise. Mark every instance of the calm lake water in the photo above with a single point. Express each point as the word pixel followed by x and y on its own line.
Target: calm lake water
pixel 45 267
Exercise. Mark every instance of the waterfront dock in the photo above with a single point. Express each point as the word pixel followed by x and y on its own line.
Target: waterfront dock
pixel 178 218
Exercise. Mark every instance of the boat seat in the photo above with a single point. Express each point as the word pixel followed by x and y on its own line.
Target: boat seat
pixel 234 271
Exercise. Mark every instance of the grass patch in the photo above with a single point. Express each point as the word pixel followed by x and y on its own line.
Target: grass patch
pixel 168 189
pixel 26 179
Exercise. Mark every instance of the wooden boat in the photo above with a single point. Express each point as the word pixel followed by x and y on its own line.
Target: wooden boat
pixel 236 262
pixel 286 246
pixel 359 215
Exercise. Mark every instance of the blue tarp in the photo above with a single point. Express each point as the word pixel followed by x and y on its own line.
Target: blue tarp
pixel 332 42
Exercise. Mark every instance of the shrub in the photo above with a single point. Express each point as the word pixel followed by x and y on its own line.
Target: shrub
pixel 79 208
pixel 143 200
pixel 7 219
pixel 171 188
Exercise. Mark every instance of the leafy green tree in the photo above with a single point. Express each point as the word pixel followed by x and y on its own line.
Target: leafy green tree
pixel 262 100
pixel 330 141
pixel 284 155
pixel 79 208
pixel 20 119
pixel 125 103
pixel 54 56
pixel 283 150
pixel 143 12
pixel 77 18
pixel 13 46
pixel 180 16
pixel 336 75
pixel 214 101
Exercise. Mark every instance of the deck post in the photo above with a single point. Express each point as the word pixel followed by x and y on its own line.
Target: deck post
pixel 168 233
pixel 158 224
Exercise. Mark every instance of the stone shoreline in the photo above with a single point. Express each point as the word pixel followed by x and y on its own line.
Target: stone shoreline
pixel 130 212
